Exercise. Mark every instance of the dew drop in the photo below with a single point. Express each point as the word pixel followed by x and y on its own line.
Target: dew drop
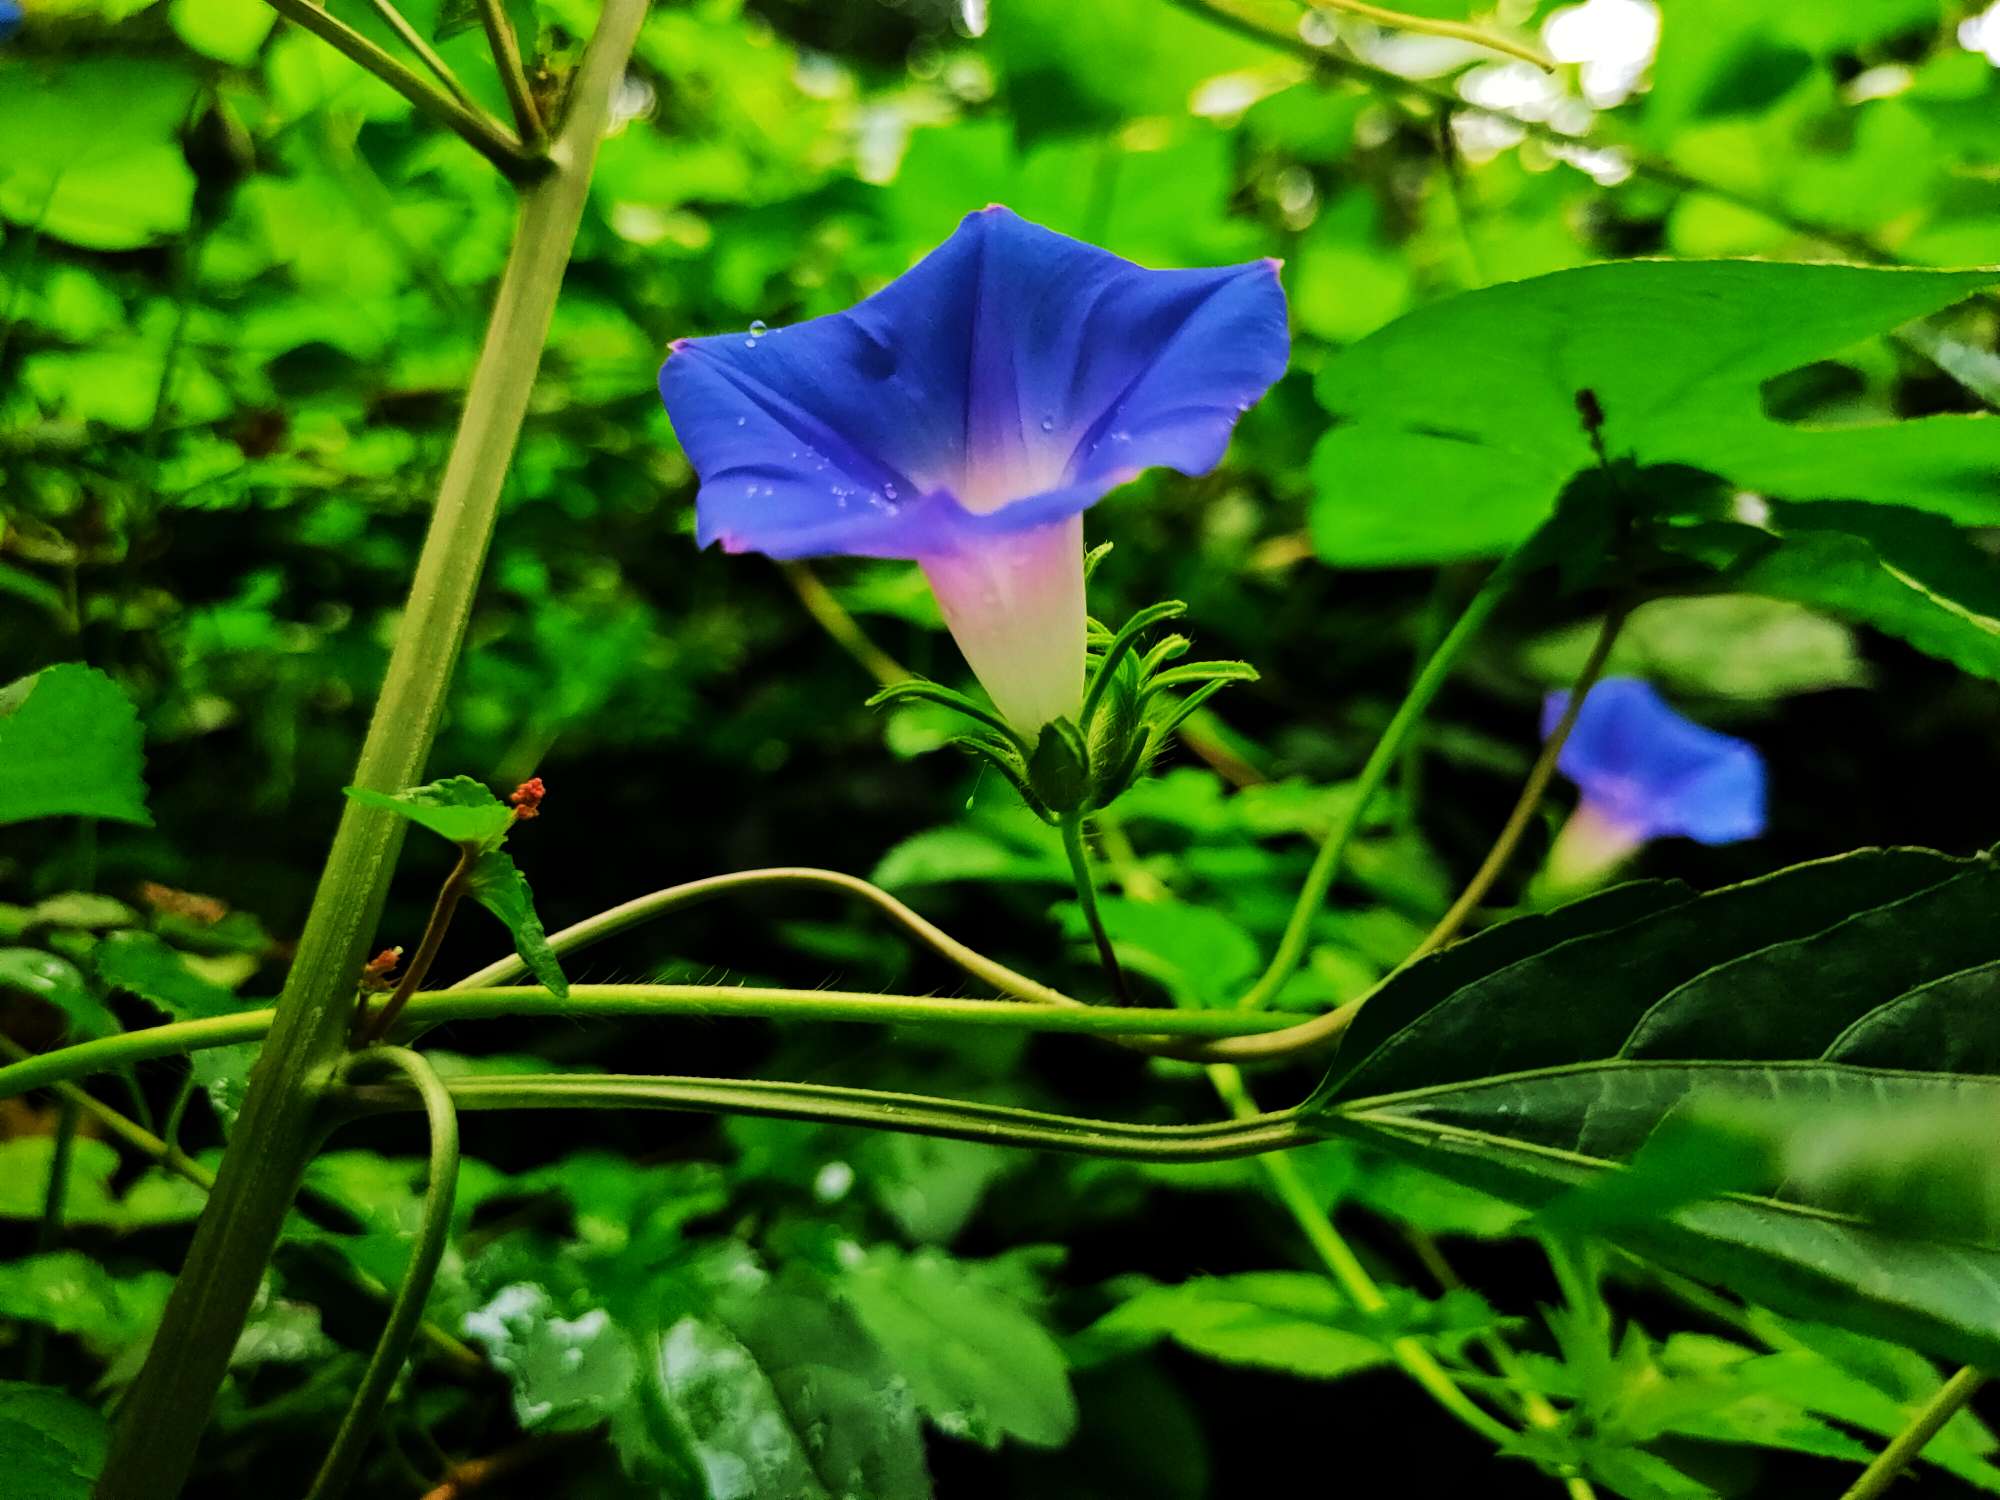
pixel 1121 437
pixel 757 327
pixel 741 420
pixel 1048 424
pixel 749 343
pixel 889 490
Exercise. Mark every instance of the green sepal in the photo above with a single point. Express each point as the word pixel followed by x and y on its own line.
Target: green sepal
pixel 1007 761
pixel 1166 649
pixel 1196 673
pixel 1059 770
pixel 925 690
pixel 1122 642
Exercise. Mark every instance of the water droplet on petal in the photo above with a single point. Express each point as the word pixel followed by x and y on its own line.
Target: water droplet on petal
pixel 741 420
pixel 1121 437
pixel 749 343
pixel 757 326
pixel 1048 424
pixel 889 490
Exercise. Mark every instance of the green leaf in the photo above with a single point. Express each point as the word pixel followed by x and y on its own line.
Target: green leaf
pixel 1199 955
pixel 1908 574
pixel 70 745
pixel 1794 998
pixel 566 1373
pixel 153 1198
pixel 1276 1320
pixel 1527 1015
pixel 1438 978
pixel 1477 398
pixel 1015 851
pixel 60 983
pixel 499 886
pixel 1724 646
pixel 1533 1137
pixel 95 155
pixel 71 1293
pixel 776 1385
pixel 457 808
pixel 1944 1026
pixel 140 963
pixel 980 1367
pixel 51 1444
pixel 230 31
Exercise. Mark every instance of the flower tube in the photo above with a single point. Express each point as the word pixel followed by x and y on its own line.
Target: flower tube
pixel 1646 772
pixel 965 416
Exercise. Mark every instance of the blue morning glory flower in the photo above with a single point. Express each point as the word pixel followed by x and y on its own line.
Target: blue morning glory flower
pixel 1647 772
pixel 966 415
pixel 10 18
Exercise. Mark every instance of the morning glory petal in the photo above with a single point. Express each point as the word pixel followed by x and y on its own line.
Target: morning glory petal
pixel 1009 380
pixel 1652 773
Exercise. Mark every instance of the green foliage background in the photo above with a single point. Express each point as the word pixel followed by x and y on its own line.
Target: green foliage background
pixel 241 289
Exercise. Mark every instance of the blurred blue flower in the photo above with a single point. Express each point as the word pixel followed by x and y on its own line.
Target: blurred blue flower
pixel 1646 772
pixel 10 18
pixel 966 415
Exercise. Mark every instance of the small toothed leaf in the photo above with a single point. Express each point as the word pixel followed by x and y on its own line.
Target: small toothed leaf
pixel 457 808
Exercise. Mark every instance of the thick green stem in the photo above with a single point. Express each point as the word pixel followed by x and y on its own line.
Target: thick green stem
pixel 161 1420
pixel 173 1159
pixel 1903 1451
pixel 1381 761
pixel 364 1413
pixel 1086 896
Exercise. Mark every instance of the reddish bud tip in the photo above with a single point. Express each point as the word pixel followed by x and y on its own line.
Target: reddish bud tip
pixel 527 798
pixel 376 973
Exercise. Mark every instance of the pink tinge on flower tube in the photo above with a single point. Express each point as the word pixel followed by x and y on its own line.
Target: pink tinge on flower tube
pixel 966 415
pixel 1646 772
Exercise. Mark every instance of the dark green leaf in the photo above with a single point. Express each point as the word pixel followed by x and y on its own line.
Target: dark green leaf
pixel 1434 980
pixel 70 745
pixel 1947 1026
pixel 1532 1137
pixel 1529 1015
pixel 1795 997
